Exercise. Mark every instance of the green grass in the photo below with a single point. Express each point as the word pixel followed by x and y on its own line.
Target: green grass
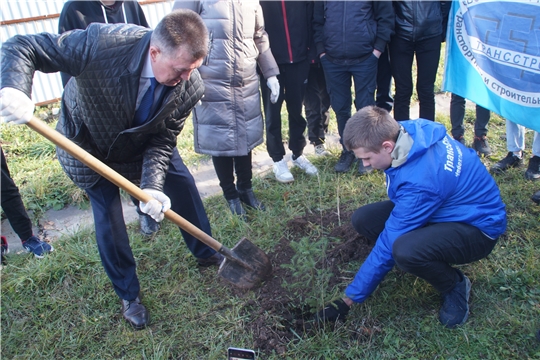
pixel 63 306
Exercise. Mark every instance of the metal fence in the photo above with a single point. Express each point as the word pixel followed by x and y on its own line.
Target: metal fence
pixel 23 17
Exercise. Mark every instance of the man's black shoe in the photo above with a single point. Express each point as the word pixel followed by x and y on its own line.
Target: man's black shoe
pixel 480 144
pixel 236 208
pixel 135 313
pixel 333 311
pixel 461 139
pixel 533 170
pixel 248 197
pixel 536 197
pixel 508 162
pixel 363 170
pixel 345 161
pixel 214 260
pixel 148 226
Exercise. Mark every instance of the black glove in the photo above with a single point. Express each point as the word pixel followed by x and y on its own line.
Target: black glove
pixel 333 311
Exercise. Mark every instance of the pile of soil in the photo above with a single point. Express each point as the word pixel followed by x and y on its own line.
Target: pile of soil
pixel 278 314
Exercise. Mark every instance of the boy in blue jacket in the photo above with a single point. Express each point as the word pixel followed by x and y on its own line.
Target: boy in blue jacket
pixel 444 208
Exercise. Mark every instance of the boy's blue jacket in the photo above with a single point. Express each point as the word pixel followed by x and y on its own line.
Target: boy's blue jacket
pixel 440 180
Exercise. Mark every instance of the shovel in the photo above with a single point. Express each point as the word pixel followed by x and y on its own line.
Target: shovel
pixel 245 265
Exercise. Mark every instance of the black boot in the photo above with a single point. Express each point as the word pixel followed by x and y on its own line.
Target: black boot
pixel 236 208
pixel 248 197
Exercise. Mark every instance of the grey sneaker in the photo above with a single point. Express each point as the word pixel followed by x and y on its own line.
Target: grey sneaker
pixel 480 144
pixel 320 150
pixel 303 163
pixel 455 307
pixel 282 172
pixel 508 162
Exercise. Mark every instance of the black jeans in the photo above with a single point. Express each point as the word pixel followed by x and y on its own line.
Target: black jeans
pixel 402 53
pixel 457 114
pixel 12 204
pixel 428 251
pixel 225 167
pixel 383 97
pixel 316 105
pixel 292 86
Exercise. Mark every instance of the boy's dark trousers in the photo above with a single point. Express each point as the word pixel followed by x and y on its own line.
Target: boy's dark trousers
pixel 428 251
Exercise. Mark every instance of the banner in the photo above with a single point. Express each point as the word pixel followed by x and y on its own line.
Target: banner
pixel 493 57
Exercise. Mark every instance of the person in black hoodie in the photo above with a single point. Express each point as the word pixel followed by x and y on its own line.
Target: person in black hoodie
pixel 418 33
pixel 288 26
pixel 78 14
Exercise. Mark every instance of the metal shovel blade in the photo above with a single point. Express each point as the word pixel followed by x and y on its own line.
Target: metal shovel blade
pixel 245 265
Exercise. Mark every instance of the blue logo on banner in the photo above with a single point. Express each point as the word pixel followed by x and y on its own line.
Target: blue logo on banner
pixel 501 40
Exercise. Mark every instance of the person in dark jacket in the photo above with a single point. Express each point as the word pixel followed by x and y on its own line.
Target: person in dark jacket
pixel 131 92
pixel 418 33
pixel 317 103
pixel 17 216
pixel 288 26
pixel 444 208
pixel 350 36
pixel 78 14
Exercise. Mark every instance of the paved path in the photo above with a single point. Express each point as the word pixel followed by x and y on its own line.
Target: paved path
pixel 71 219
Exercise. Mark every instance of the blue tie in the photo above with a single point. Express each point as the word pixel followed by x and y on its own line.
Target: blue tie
pixel 143 112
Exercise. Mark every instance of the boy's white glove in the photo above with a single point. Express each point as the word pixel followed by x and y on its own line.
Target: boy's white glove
pixel 273 85
pixel 157 206
pixel 15 106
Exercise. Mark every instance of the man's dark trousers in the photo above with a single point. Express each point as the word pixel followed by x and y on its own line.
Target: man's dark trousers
pixel 111 234
pixel 457 115
pixel 292 86
pixel 427 252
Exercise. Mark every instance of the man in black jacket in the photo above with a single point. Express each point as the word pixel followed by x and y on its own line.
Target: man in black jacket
pixel 132 90
pixel 350 36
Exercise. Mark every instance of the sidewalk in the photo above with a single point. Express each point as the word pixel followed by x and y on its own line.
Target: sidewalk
pixel 71 219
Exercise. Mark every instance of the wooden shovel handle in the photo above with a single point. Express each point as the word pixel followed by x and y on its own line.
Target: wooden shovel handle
pixel 117 179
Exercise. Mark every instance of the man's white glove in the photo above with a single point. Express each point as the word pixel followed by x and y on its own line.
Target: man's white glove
pixel 273 85
pixel 15 106
pixel 157 206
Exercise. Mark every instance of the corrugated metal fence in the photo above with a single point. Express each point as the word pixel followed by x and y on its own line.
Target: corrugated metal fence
pixel 22 17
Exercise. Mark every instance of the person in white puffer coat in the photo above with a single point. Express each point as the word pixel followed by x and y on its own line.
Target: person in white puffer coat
pixel 228 124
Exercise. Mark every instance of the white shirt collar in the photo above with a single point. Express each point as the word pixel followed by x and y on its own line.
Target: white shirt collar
pixel 147 71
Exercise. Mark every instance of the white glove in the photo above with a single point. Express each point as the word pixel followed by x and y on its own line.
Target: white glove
pixel 157 206
pixel 273 85
pixel 15 106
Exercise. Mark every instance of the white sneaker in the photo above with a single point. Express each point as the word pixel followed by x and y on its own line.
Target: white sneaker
pixel 281 170
pixel 320 150
pixel 303 163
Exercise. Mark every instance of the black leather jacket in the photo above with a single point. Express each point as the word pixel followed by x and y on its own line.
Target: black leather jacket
pixel 98 104
pixel 420 20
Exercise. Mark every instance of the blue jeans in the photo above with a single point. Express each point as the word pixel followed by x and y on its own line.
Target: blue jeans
pixel 338 83
pixel 515 138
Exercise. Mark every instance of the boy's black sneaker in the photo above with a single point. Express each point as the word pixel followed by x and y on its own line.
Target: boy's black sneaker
pixel 508 162
pixel 363 170
pixel 345 161
pixel 455 307
pixel 480 144
pixel 533 170
pixel 461 139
